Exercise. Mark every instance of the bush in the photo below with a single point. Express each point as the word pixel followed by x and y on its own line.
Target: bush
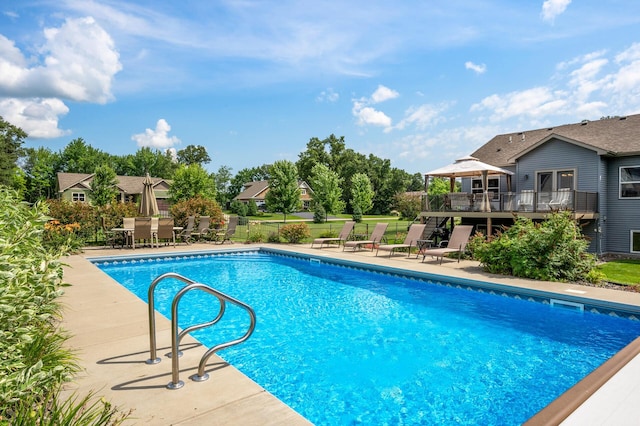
pixel 197 206
pixel 239 208
pixel 319 214
pixel 256 234
pixel 357 215
pixel 553 250
pixel 252 208
pixel 295 232
pixel 273 238
pixel 58 237
pixel 35 361
pixel 82 214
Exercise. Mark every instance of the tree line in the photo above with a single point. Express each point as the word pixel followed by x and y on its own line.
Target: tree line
pixel 346 180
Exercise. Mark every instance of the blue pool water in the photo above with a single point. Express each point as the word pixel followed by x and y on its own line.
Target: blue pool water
pixel 346 346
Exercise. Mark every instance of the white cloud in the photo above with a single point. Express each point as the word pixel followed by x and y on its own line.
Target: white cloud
pixel 552 8
pixel 158 138
pixel 37 117
pixel 479 69
pixel 368 115
pixel 422 116
pixel 382 94
pixel 328 96
pixel 78 62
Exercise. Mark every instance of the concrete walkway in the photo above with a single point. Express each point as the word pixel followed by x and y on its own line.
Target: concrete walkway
pixel 110 333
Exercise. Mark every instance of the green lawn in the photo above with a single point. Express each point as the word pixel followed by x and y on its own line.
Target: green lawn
pixel 623 271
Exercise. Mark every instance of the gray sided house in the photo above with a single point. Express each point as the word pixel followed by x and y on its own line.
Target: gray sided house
pixel 591 169
pixel 257 190
pixel 77 187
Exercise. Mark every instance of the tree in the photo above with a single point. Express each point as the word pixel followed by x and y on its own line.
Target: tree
pixel 39 165
pixel 145 160
pixel 191 181
pixel 11 139
pixel 284 192
pixel 408 205
pixel 79 157
pixel 361 193
pixel 222 178
pixel 327 190
pixel 103 186
pixel 193 154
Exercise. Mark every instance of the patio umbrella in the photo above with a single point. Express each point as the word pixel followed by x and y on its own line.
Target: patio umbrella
pixel 470 166
pixel 148 202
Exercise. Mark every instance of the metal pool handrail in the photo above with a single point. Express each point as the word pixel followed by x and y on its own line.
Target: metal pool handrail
pixel 176 337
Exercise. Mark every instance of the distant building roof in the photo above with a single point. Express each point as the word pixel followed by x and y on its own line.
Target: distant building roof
pixel 126 184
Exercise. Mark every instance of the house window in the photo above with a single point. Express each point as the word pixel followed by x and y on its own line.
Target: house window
pixel 78 196
pixel 493 187
pixel 554 180
pixel 635 241
pixel 630 182
pixel 303 191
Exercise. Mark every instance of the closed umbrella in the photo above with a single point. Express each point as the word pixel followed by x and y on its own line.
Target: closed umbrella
pixel 148 202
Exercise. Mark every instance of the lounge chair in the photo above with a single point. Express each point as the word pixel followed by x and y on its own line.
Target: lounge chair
pixel 226 235
pixel 204 228
pixel 561 201
pixel 165 231
pixel 411 240
pixel 141 231
pixel 185 234
pixel 456 244
pixel 342 237
pixel 376 236
pixel 525 202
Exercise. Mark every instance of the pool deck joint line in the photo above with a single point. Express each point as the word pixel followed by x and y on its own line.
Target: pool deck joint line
pixel 110 335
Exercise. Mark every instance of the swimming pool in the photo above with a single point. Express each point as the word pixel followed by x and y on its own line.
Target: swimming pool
pixel 346 346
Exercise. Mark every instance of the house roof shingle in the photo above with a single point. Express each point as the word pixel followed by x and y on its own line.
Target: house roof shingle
pixel 126 184
pixel 613 136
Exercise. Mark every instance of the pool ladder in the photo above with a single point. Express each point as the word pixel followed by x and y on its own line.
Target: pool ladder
pixel 176 336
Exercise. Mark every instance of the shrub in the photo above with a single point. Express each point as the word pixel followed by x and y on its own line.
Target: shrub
pixel 357 215
pixel 319 214
pixel 252 208
pixel 58 237
pixel 295 232
pixel 68 212
pixel 256 235
pixel 35 361
pixel 239 208
pixel 197 206
pixel 274 238
pixel 552 250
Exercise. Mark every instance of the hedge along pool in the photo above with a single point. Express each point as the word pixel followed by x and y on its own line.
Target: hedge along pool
pixel 343 345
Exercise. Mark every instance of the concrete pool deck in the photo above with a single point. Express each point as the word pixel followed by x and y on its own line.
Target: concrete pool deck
pixel 109 328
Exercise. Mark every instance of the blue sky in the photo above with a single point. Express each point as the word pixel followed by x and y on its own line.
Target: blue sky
pixel 418 82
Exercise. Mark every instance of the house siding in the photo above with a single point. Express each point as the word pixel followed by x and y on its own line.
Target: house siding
pixel 558 155
pixel 620 216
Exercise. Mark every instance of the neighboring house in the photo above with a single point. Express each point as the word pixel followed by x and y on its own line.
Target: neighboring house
pixel 257 191
pixel 591 168
pixel 77 187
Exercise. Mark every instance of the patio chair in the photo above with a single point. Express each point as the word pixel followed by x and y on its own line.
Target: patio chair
pixel 141 231
pixel 561 201
pixel 342 236
pixel 456 244
pixel 411 240
pixel 165 231
pixel 376 237
pixel 185 234
pixel 525 202
pixel 222 236
pixel 111 238
pixel 204 228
